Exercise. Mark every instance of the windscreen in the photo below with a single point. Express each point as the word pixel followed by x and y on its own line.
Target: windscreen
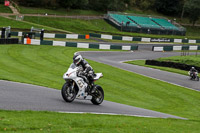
pixel 72 66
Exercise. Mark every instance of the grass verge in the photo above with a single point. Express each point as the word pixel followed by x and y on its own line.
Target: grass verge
pixel 142 63
pixel 60 11
pixel 4 9
pixel 34 122
pixel 4 22
pixel 99 26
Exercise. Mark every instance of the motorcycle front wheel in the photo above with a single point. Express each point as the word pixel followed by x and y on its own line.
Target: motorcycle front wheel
pixel 68 94
pixel 98 96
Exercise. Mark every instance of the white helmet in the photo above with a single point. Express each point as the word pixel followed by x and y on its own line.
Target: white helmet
pixel 77 53
pixel 77 59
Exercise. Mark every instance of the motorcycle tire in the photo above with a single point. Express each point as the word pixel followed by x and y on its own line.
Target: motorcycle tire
pixel 197 78
pixel 66 94
pixel 98 95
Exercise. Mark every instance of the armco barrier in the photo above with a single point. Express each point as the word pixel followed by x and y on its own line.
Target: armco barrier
pixel 53 35
pixel 9 41
pixel 171 64
pixel 79 45
pixel 143 39
pixel 174 48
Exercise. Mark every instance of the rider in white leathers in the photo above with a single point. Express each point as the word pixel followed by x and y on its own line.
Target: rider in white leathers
pixel 85 70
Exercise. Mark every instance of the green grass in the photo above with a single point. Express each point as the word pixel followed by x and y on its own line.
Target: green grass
pixel 25 26
pixel 45 65
pixel 34 122
pixel 4 22
pixel 60 11
pixel 189 60
pixel 142 63
pixel 4 9
pixel 99 26
pixel 73 25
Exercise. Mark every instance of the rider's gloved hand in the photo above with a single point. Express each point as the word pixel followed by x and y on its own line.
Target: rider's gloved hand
pixel 82 73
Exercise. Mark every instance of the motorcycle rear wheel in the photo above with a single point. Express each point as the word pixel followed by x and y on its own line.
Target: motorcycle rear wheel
pixel 67 94
pixel 98 96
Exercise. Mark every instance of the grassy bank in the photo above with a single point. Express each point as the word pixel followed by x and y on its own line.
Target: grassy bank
pixel 59 11
pixel 99 26
pixel 4 22
pixel 45 65
pixel 4 9
pixel 25 26
pixel 34 122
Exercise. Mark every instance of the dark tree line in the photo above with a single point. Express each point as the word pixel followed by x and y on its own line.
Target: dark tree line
pixel 163 6
pixel 100 5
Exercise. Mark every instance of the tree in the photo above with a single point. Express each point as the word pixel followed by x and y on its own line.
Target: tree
pixel 168 7
pixel 183 8
pixel 193 9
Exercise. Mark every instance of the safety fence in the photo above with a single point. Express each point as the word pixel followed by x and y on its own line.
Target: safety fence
pixel 143 39
pixel 174 48
pixel 9 41
pixel 53 35
pixel 110 37
pixel 78 45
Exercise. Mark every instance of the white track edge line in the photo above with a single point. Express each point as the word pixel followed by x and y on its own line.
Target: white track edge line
pixel 97 113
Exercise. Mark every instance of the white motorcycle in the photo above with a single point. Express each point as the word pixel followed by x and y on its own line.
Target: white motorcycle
pixel 77 87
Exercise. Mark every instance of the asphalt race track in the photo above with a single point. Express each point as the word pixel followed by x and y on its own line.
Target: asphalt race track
pixel 116 59
pixel 18 96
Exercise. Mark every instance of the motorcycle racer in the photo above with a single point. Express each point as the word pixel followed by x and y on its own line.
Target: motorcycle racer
pixel 192 72
pixel 85 70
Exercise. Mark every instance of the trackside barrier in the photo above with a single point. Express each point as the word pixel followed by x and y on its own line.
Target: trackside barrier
pixel 9 41
pixel 171 64
pixel 53 35
pixel 79 45
pixel 174 48
pixel 143 39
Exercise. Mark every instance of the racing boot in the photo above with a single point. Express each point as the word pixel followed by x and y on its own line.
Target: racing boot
pixel 92 89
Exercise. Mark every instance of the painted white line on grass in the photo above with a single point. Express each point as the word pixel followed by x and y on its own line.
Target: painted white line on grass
pixel 97 113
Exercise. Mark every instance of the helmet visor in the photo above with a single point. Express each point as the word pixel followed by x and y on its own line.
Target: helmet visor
pixel 76 61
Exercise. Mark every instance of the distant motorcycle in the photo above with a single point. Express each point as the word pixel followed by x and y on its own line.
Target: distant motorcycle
pixel 77 87
pixel 193 76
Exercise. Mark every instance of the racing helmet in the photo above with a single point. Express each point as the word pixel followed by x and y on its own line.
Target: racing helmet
pixel 193 68
pixel 77 53
pixel 77 59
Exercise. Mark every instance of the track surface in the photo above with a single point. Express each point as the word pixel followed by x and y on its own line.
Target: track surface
pixel 18 96
pixel 116 58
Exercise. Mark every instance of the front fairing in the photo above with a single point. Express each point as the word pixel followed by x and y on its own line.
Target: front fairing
pixel 71 72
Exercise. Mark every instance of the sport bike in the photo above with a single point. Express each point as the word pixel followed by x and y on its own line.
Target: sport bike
pixel 194 76
pixel 77 86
